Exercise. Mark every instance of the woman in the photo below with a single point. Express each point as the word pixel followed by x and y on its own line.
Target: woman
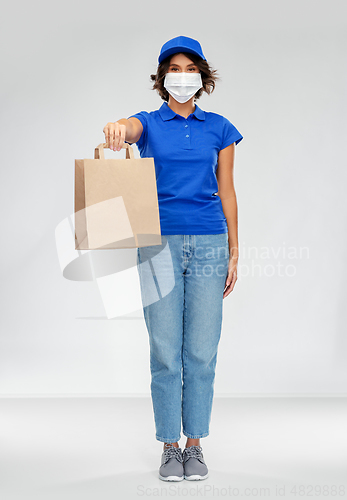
pixel 198 216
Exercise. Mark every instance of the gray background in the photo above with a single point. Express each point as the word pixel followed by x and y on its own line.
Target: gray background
pixel 70 67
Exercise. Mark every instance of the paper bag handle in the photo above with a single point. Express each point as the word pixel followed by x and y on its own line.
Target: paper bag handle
pixel 99 151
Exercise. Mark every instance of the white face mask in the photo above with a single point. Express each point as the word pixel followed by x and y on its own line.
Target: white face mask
pixel 182 86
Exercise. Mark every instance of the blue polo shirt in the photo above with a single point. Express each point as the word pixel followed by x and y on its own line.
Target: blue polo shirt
pixel 185 152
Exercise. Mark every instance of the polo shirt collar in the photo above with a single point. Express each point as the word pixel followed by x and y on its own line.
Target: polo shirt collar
pixel 167 113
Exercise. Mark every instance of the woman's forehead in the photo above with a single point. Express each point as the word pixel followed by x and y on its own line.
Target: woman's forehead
pixel 180 59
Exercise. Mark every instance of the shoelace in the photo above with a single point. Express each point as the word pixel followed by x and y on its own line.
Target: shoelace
pixel 193 451
pixel 173 452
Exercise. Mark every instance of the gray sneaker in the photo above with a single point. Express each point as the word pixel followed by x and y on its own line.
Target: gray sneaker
pixel 194 464
pixel 171 468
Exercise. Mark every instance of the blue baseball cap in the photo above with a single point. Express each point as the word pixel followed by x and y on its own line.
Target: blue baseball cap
pixel 181 44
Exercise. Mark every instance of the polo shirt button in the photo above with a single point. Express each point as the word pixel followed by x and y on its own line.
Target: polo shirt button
pixel 187 135
pixel 186 126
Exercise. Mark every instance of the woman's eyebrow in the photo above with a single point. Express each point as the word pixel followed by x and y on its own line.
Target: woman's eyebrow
pixel 174 64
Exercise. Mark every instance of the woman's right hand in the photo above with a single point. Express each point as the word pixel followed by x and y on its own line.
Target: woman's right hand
pixel 114 135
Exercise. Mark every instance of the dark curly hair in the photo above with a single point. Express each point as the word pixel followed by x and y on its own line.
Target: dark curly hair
pixel 208 76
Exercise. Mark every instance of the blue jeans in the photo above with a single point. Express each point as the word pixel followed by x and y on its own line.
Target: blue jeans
pixel 182 283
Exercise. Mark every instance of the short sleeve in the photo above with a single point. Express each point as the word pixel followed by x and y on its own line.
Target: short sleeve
pixel 230 134
pixel 143 117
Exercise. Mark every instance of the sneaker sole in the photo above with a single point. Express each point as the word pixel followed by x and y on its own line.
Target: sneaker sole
pixel 171 478
pixel 195 477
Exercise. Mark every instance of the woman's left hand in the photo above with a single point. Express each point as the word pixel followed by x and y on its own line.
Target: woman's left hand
pixel 232 276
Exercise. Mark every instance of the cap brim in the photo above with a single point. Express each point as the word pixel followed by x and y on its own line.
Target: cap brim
pixel 177 50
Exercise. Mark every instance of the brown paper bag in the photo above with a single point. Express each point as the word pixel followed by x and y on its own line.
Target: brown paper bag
pixel 116 202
